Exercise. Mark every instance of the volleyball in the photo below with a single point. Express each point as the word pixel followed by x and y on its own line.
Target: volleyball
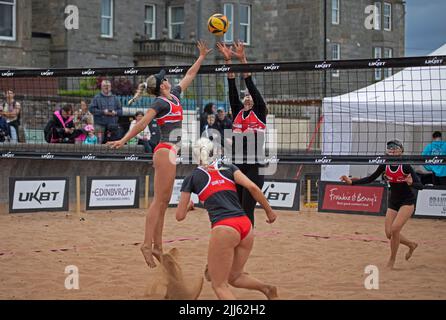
pixel 218 24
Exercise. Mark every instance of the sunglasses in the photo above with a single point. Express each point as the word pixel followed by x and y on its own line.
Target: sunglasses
pixel 393 146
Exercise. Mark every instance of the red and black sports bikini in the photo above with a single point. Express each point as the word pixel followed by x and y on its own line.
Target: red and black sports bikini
pixel 217 190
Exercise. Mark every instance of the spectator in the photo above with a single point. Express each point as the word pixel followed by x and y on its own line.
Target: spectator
pixel 11 112
pixel 4 128
pixel 436 148
pixel 60 129
pixel 144 136
pixel 82 118
pixel 209 108
pixel 91 138
pixel 210 129
pixel 113 132
pixel 106 109
pixel 223 123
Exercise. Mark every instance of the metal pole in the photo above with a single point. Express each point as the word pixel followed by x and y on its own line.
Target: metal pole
pixel 199 80
pixel 325 46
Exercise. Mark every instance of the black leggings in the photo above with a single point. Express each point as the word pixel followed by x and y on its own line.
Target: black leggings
pixel 245 197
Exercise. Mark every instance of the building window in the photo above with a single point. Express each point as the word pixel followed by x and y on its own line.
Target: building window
pixel 245 24
pixel 377 16
pixel 176 23
pixel 377 53
pixel 387 16
pixel 335 55
pixel 335 11
pixel 388 53
pixel 107 18
pixel 228 11
pixel 7 19
pixel 149 22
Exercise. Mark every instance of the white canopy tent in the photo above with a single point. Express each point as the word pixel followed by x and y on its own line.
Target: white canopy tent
pixel 407 106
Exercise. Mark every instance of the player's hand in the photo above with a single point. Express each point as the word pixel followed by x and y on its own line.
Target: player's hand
pixel 409 179
pixel 346 179
pixel 239 51
pixel 272 216
pixel 202 47
pixel 191 206
pixel 115 144
pixel 225 51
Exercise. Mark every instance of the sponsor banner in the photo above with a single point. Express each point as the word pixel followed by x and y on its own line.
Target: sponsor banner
pixel 38 194
pixel 253 67
pixel 324 161
pixel 176 193
pixel 431 203
pixel 282 194
pixel 112 192
pixel 361 199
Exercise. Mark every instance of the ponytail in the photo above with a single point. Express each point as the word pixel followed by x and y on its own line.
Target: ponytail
pixel 202 150
pixel 141 87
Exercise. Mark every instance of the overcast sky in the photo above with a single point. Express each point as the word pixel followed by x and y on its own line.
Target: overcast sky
pixel 425 26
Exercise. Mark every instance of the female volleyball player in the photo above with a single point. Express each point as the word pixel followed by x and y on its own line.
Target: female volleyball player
pixel 167 111
pixel 250 122
pixel 402 199
pixel 232 237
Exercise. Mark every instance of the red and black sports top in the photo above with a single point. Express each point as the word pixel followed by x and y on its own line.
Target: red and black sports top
pixel 169 115
pixel 251 122
pixel 216 189
pixel 396 176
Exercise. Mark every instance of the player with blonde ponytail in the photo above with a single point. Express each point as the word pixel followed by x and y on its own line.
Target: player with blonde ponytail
pixel 168 112
pixel 232 237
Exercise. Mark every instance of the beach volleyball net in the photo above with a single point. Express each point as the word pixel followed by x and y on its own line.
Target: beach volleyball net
pixel 320 112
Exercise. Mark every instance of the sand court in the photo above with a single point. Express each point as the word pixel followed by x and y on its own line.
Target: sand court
pixel 307 255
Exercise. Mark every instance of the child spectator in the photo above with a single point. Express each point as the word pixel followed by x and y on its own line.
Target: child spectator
pixel 210 130
pixel 82 118
pixel 91 138
pixel 144 136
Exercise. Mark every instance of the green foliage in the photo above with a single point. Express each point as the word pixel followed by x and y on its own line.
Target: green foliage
pixel 88 83
pixel 78 93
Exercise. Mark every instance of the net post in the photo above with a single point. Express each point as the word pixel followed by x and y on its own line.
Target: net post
pixel 78 194
pixel 309 191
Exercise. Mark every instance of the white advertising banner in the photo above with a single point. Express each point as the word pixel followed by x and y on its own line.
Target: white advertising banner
pixel 108 193
pixel 176 193
pixel 431 203
pixel 41 194
pixel 284 195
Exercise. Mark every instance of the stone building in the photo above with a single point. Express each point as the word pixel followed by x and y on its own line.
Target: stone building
pixel 113 33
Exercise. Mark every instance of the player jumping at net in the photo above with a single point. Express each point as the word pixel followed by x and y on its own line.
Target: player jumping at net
pixel 250 122
pixel 232 237
pixel 402 199
pixel 168 112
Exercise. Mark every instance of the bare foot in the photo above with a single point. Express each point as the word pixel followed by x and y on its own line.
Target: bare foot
pixel 391 264
pixel 157 252
pixel 271 292
pixel 147 253
pixel 411 250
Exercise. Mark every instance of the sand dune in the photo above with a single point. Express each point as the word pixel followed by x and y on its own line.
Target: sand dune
pixel 307 255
